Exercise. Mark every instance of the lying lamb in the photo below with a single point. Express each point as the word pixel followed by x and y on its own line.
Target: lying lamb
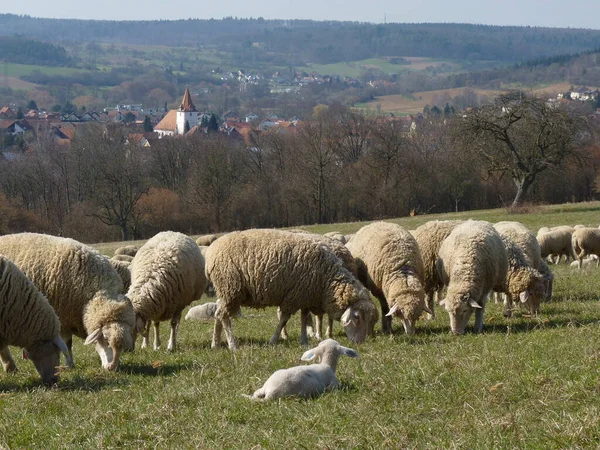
pixel 306 381
pixel 205 312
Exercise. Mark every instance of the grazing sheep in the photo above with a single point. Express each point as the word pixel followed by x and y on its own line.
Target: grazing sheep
pixel 542 230
pixel 577 227
pixel 124 258
pixel 472 262
pixel 210 289
pixel 585 242
pixel 260 268
pixel 83 288
pixel 306 381
pixel 337 236
pixel 557 241
pixel 430 236
pixel 27 320
pixel 524 239
pixel 206 240
pixel 342 252
pixel 390 266
pixel 167 274
pixel 129 250
pixel 348 237
pixel 123 268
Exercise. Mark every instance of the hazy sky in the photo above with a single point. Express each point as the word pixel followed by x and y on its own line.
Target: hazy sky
pixel 553 13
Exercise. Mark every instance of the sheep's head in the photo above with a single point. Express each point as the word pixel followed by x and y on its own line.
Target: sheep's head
pixel 46 358
pixel 459 307
pixel 408 302
pixel 533 295
pixel 359 319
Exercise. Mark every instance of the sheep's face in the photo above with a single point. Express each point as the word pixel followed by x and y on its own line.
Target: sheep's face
pixel 407 306
pixel 460 312
pixel 110 341
pixel 358 319
pixel 45 358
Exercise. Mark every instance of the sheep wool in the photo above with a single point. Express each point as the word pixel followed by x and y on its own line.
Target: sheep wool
pixel 556 242
pixel 83 288
pixel 167 274
pixel 128 250
pixel 472 262
pixel 429 237
pixel 206 240
pixel 524 239
pixel 124 271
pixel 263 267
pixel 27 320
pixel 586 242
pixel 390 265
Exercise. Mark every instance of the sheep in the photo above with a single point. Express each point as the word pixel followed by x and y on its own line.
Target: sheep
pixel 210 289
pixel 83 288
pixel 390 266
pixel 430 236
pixel 205 312
pixel 472 261
pixel 27 320
pixel 167 274
pixel 586 241
pixel 338 236
pixel 577 227
pixel 556 241
pixel 206 240
pixel 123 268
pixel 124 258
pixel 342 252
pixel 129 250
pixel 265 267
pixel 523 282
pixel 306 381
pixel 542 230
pixel 348 237
pixel 588 261
pixel 524 239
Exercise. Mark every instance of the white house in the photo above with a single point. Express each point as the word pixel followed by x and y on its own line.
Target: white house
pixel 175 120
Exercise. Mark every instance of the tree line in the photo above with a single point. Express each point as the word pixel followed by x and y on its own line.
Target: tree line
pixel 339 166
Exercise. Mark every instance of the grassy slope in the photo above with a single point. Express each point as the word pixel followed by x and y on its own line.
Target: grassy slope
pixel 523 383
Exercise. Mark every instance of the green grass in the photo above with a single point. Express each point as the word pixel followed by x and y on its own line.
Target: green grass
pixel 18 70
pixel 524 383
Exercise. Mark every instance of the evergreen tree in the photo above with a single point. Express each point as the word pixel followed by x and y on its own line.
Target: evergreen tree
pixel 204 121
pixel 186 127
pixel 148 125
pixel 129 117
pixel 20 113
pixel 213 126
pixel 32 105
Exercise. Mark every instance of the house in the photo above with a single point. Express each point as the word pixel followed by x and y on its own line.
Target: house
pixel 175 120
pixel 13 127
pixel 138 139
pixel 7 113
pixel 251 117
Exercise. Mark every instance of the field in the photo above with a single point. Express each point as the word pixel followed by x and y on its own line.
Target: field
pixel 523 383
pixel 402 104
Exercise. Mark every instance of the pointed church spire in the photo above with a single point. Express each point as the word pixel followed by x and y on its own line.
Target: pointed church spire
pixel 186 103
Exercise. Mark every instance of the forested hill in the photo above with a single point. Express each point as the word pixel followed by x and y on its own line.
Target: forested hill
pixel 321 42
pixel 27 51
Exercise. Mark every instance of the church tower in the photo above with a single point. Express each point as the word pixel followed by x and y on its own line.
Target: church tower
pixel 186 113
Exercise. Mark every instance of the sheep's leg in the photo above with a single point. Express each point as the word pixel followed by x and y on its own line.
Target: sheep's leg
pixel 386 322
pixel 146 334
pixel 229 333
pixel 579 262
pixel 172 345
pixel 508 306
pixel 329 332
pixel 68 338
pixel 156 334
pixel 304 318
pixel 284 334
pixel 284 317
pixel 429 302
pixel 6 359
pixel 310 328
pixel 479 319
pixel 216 340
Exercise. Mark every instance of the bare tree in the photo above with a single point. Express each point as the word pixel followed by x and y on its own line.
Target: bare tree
pixel 522 135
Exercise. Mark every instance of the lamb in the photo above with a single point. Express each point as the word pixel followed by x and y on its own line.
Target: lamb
pixel 205 312
pixel 557 241
pixel 306 381
pixel 338 236
pixel 472 262
pixel 588 261
pixel 206 240
pixel 523 282
pixel 586 241
pixel 390 266
pixel 430 236
pixel 27 320
pixel 129 250
pixel 83 288
pixel 123 268
pixel 264 267
pixel 167 274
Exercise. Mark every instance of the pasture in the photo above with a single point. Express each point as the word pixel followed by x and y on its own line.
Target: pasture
pixel 525 382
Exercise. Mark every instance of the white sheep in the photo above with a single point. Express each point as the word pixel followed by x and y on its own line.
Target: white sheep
pixel 167 274
pixel 390 266
pixel 337 235
pixel 586 242
pixel 123 268
pixel 83 288
pixel 205 312
pixel 206 240
pixel 128 250
pixel 27 320
pixel 472 262
pixel 548 279
pixel 259 268
pixel 556 242
pixel 306 381
pixel 588 261
pixel 429 237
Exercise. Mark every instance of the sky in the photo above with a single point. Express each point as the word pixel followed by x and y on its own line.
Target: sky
pixel 551 13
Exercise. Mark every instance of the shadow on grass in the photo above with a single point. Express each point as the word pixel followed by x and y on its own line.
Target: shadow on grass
pixel 77 383
pixel 153 369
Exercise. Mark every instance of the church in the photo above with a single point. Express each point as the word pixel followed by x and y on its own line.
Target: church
pixel 175 121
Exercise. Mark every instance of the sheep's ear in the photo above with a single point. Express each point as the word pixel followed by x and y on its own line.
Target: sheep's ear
pixel 524 296
pixel 309 355
pixel 94 336
pixel 350 352
pixel 348 318
pixel 393 309
pixel 474 304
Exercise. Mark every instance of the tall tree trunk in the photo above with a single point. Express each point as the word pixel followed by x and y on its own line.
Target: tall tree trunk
pixel 124 231
pixel 523 186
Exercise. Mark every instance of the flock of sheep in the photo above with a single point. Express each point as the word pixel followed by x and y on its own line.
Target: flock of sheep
pixel 52 288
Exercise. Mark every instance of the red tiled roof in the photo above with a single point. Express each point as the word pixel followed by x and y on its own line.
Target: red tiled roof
pixel 168 123
pixel 186 103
